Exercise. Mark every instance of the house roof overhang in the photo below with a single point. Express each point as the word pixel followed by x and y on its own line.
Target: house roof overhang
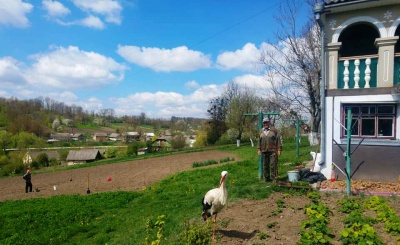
pixel 335 6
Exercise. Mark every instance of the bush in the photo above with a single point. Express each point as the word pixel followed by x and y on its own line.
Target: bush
pixel 178 142
pixel 43 159
pixel 197 234
pixel 111 152
pixel 12 169
pixel 133 148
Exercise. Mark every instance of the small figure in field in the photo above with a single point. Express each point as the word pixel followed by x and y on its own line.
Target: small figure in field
pixel 28 182
pixel 270 147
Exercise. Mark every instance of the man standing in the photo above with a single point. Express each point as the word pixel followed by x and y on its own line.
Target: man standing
pixel 269 145
pixel 28 182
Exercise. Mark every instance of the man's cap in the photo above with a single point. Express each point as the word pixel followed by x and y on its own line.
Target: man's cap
pixel 265 120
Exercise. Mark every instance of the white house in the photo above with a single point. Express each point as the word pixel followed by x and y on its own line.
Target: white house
pixel 362 75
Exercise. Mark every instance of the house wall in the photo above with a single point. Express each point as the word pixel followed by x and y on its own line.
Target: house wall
pixel 335 23
pixel 384 19
pixel 383 153
pixel 374 163
pixel 380 157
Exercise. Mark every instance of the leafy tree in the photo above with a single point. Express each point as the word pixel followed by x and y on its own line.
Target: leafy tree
pixel 201 138
pixel 4 160
pixel 111 152
pixel 178 142
pixel 56 124
pixel 242 100
pixel 24 140
pixel 43 159
pixel 133 148
pixel 53 161
pixel 217 110
pixel 5 140
pixel 63 154
pixel 15 165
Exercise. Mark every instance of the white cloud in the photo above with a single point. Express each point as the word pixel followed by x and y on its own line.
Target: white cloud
pixel 192 84
pixel 205 93
pixel 165 60
pixel 245 59
pixel 55 8
pixel 166 104
pixel 13 12
pixel 111 9
pixel 4 94
pixel 68 97
pixel 93 22
pixel 252 81
pixel 72 68
pixel 90 21
pixel 10 73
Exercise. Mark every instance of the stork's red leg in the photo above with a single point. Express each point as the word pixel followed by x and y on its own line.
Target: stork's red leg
pixel 215 226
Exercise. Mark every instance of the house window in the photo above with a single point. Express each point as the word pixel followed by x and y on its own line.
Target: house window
pixel 370 120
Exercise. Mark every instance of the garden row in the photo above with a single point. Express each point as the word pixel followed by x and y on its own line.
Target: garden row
pixel 358 225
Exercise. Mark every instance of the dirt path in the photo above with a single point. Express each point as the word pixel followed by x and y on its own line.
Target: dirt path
pixel 133 175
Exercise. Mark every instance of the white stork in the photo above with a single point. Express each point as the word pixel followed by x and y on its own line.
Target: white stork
pixel 215 200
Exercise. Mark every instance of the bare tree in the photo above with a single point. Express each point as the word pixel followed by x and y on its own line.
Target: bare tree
pixel 293 65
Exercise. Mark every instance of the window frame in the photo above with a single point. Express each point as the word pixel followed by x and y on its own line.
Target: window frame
pixel 361 113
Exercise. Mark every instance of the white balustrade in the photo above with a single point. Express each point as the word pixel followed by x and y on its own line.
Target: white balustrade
pixel 367 72
pixel 356 73
pixel 346 74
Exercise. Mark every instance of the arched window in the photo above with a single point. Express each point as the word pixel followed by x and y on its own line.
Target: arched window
pixel 358 39
pixel 397 47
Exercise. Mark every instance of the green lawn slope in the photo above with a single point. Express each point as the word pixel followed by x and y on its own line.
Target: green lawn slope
pixel 168 212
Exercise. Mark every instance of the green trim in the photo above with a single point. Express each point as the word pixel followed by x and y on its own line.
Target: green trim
pixel 373 67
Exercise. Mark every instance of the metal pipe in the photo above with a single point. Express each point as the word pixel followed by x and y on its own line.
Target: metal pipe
pixel 318 11
pixel 348 152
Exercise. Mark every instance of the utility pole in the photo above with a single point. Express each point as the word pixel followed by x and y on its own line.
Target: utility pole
pixel 261 115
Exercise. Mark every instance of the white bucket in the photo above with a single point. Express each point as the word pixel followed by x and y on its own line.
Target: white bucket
pixel 293 175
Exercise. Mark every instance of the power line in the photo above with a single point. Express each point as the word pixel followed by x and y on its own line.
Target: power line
pixel 196 44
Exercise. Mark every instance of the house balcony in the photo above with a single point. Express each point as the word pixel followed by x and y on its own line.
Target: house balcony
pixel 361 72
pixel 357 72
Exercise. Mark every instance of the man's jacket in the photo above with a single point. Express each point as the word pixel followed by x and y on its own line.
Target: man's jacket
pixel 27 178
pixel 269 140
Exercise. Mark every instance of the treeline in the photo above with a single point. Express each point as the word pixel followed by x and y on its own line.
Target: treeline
pixel 37 116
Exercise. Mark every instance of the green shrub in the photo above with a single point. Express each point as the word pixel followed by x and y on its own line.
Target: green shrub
pixel 43 160
pixel 195 234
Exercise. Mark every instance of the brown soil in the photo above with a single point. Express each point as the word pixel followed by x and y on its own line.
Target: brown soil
pixel 258 222
pixel 241 222
pixel 127 176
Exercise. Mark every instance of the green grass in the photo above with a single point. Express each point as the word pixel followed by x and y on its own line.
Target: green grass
pixel 121 217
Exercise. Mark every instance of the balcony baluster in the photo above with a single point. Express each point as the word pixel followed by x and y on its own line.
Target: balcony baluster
pixel 367 72
pixel 356 73
pixel 346 74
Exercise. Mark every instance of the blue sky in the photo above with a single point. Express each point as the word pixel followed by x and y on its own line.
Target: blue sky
pixel 164 58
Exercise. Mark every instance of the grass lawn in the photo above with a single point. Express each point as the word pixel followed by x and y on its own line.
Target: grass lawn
pixel 161 212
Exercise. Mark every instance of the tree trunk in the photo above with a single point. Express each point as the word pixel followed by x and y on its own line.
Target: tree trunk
pixel 313 138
